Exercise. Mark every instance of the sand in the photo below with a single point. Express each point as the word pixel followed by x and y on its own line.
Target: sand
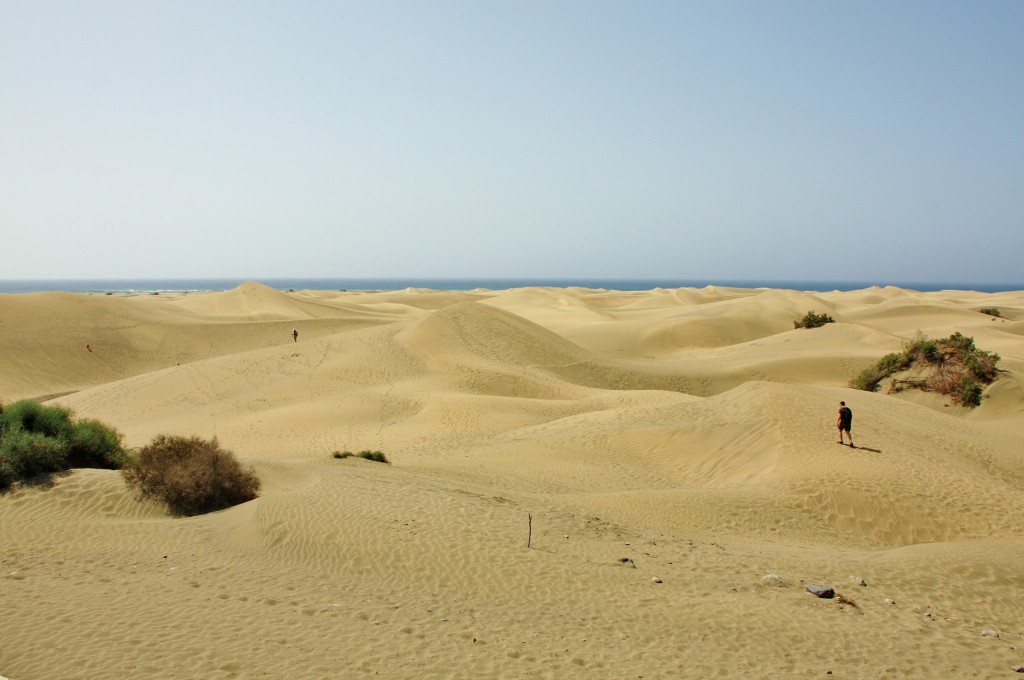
pixel 689 432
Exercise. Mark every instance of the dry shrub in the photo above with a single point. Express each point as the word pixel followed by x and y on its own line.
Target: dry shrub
pixel 190 475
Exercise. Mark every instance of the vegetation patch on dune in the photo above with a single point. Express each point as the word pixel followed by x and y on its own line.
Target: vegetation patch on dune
pixel 190 475
pixel 36 439
pixel 813 320
pixel 952 366
pixel 376 456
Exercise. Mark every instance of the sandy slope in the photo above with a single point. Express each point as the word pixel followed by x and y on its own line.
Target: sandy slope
pixel 691 431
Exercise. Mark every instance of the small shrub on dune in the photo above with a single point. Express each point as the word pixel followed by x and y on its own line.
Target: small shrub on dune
pixel 991 311
pixel 813 320
pixel 893 363
pixel 982 366
pixel 868 379
pixel 190 475
pixel 968 392
pixel 922 348
pixel 952 366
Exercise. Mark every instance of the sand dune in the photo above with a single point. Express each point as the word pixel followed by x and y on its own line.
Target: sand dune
pixel 688 432
pixel 56 343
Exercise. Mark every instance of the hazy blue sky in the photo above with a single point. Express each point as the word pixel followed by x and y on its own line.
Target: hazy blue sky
pixel 754 140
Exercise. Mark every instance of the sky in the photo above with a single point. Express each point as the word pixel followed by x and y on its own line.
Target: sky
pixel 789 140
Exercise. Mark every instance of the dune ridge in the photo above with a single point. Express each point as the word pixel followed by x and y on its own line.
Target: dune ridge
pixel 666 450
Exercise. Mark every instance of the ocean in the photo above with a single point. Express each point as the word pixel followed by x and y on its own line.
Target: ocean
pixel 285 284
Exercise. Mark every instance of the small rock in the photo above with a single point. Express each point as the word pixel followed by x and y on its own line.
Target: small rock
pixel 655 579
pixel 926 615
pixel 890 601
pixel 1018 669
pixel 821 591
pixel 989 633
pixel 624 560
pixel 858 581
pixel 774 579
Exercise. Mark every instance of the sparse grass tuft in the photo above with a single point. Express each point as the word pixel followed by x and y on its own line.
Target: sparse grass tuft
pixel 376 456
pixel 991 311
pixel 190 475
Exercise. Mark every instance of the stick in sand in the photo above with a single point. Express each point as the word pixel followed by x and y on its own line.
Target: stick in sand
pixel 529 534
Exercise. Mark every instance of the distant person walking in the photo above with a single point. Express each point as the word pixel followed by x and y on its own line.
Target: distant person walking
pixel 295 335
pixel 844 422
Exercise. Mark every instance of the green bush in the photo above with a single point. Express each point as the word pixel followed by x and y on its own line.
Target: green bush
pixel 28 454
pixel 31 416
pixel 95 445
pixel 190 475
pixel 37 439
pixel 960 342
pixel 813 320
pixel 991 311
